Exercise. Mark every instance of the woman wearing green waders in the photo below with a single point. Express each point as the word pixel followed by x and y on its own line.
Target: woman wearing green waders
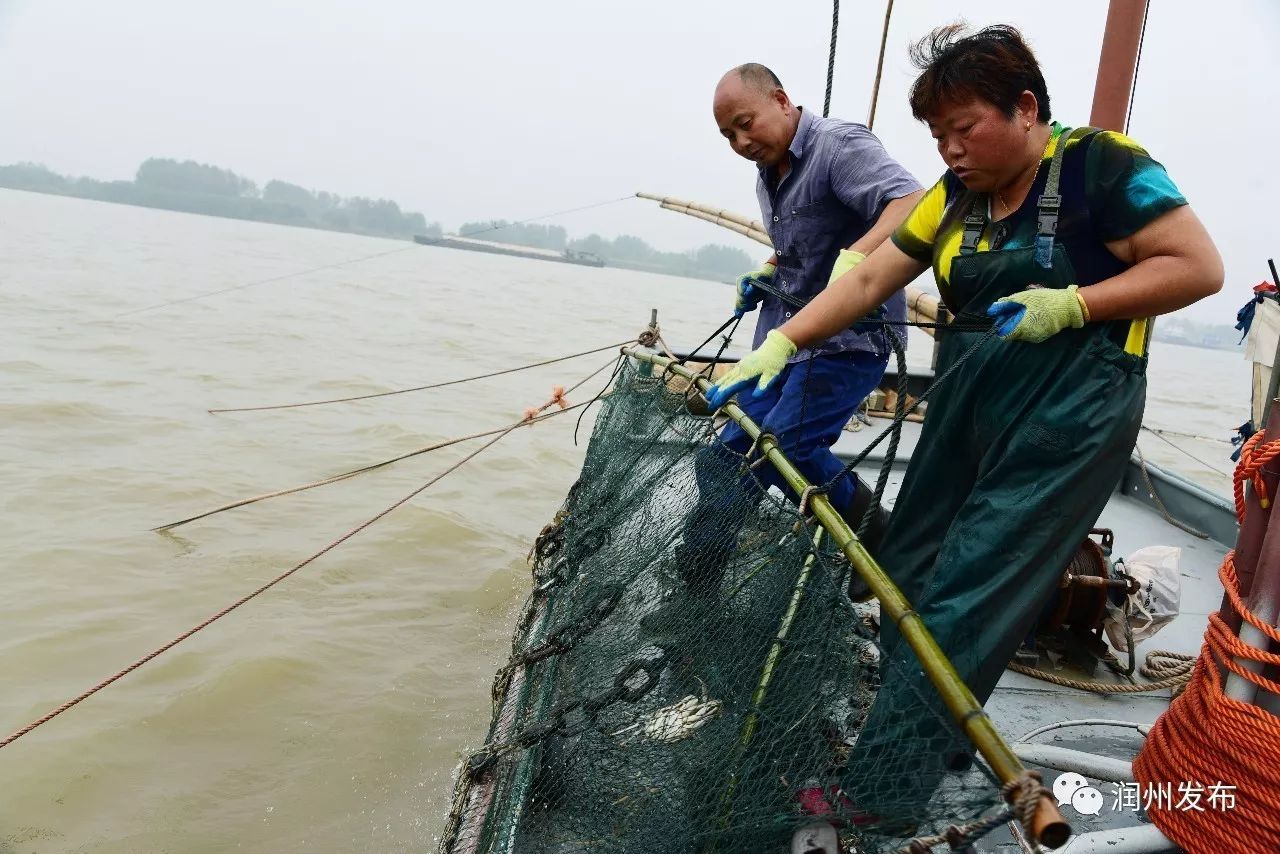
pixel 1067 241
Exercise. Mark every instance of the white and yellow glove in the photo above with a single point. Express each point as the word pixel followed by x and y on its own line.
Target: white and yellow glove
pixel 1039 313
pixel 761 365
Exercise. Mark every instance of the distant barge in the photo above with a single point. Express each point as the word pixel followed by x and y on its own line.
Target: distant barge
pixel 585 259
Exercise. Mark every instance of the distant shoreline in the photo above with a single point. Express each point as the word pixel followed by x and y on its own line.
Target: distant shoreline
pixel 635 266
pixel 198 188
pixel 307 225
pixel 1174 338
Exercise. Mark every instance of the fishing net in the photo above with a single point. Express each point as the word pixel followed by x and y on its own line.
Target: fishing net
pixel 690 675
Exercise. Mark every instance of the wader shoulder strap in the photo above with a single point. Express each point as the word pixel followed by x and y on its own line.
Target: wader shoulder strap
pixel 1048 204
pixel 975 222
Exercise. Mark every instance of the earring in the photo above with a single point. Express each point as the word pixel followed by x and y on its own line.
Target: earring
pixel 1027 127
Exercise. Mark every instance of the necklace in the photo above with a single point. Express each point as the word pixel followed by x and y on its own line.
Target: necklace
pixel 1053 134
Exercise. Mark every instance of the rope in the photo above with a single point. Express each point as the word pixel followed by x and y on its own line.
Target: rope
pixel 247 597
pixel 361 258
pixel 924 397
pixel 1137 65
pixel 422 387
pixel 1171 670
pixel 831 56
pixel 895 437
pixel 875 87
pixel 1159 435
pixel 556 399
pixel 1155 496
pixel 1023 794
pixel 1249 470
pixel 1209 738
pixel 1202 438
pixel 257 282
pixel 732 321
pixel 617 368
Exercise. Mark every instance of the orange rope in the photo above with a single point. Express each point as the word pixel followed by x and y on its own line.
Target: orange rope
pixel 557 397
pixel 1207 738
pixel 1252 459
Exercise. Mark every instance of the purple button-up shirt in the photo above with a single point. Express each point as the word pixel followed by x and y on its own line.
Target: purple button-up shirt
pixel 840 180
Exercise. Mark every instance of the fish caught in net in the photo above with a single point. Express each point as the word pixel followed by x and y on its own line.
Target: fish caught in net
pixel 689 674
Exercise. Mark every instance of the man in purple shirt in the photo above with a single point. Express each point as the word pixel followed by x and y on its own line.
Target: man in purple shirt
pixel 829 194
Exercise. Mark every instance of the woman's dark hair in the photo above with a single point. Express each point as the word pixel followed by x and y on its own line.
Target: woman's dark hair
pixel 993 64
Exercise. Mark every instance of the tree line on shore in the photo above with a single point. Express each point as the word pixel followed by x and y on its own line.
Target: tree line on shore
pixel 203 189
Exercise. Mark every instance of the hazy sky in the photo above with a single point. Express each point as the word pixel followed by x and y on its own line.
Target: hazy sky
pixel 468 110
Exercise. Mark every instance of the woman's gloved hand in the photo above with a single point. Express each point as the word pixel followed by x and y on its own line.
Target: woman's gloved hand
pixel 766 363
pixel 1039 313
pixel 749 296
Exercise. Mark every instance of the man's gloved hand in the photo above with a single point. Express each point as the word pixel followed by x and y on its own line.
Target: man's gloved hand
pixel 766 362
pixel 1036 314
pixel 845 261
pixel 748 295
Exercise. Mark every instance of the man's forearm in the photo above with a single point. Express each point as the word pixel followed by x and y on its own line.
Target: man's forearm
pixel 890 218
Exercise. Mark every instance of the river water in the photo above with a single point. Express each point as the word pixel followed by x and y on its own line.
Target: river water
pixel 329 713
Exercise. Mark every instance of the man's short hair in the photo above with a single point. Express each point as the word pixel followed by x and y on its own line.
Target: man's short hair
pixel 758 77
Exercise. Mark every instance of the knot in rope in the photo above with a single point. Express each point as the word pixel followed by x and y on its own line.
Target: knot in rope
pixel 1023 794
pixel 809 492
pixel 1254 456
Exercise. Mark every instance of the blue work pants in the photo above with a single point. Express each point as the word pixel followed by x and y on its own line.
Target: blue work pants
pixel 806 408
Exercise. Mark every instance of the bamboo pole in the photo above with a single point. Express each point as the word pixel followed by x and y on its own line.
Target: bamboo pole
pixel 1048 826
pixel 921 307
pixel 732 225
pixel 731 216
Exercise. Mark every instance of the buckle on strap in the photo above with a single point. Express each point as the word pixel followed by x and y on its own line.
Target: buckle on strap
pixel 974 224
pixel 1046 227
pixel 1047 213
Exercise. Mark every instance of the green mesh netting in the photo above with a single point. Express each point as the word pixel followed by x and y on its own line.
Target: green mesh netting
pixel 690 676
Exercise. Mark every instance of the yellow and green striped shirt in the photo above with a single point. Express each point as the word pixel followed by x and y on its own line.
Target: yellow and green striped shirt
pixel 1110 186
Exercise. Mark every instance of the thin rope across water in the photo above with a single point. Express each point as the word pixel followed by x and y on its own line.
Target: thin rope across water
pixel 556 400
pixel 1159 434
pixel 422 387
pixel 528 420
pixel 115 677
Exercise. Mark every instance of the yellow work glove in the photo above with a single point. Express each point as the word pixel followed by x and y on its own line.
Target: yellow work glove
pixel 1039 313
pixel 765 362
pixel 749 296
pixel 845 261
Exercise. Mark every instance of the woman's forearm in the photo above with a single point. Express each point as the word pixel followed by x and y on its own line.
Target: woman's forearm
pixel 852 296
pixel 1174 265
pixel 1155 286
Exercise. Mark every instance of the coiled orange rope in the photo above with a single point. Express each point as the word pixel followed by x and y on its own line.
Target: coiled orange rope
pixel 1207 738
